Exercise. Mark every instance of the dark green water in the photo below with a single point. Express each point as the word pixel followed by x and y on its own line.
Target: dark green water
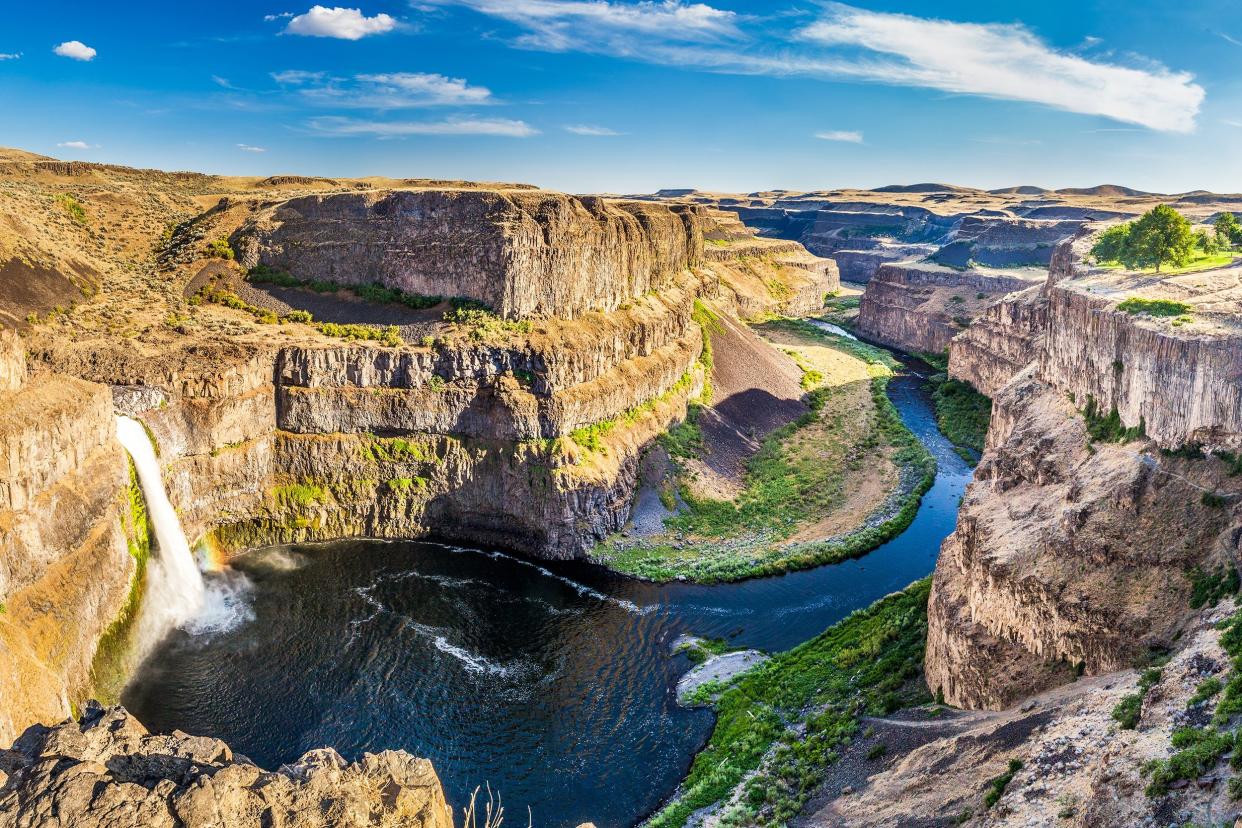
pixel 553 683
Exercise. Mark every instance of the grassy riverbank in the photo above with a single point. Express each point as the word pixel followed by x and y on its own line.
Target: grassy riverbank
pixel 837 482
pixel 781 724
pixel 962 413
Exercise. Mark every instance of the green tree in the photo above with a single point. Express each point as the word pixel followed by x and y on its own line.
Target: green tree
pixel 1161 236
pixel 1228 230
pixel 1207 243
pixel 1112 243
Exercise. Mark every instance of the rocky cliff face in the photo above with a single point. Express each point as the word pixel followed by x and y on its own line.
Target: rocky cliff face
pixel 1071 554
pixel 760 275
pixel 522 253
pixel 106 770
pixel 920 307
pixel 67 530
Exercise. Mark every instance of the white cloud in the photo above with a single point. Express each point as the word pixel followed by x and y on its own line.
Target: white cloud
pixel 393 90
pixel 10 55
pixel 75 49
pixel 996 60
pixel 1004 60
pixel 345 24
pixel 77 145
pixel 593 131
pixel 602 25
pixel 293 77
pixel 251 148
pixel 222 82
pixel 1231 122
pixel 848 136
pixel 281 16
pixel 345 127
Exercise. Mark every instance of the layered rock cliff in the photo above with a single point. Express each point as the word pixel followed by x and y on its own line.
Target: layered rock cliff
pixel 920 307
pixel 105 769
pixel 70 551
pixel 1081 539
pixel 520 252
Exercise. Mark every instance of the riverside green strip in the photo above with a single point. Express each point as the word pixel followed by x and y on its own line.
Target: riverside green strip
pixel 788 719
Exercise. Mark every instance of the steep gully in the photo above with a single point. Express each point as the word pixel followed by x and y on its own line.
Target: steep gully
pixel 551 681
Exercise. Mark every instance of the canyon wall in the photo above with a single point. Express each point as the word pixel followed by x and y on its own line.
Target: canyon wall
pixel 1072 554
pixel 68 559
pixel 920 306
pixel 520 252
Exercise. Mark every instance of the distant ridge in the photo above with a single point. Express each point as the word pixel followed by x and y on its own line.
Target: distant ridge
pixel 923 188
pixel 1111 190
pixel 1024 189
pixel 676 192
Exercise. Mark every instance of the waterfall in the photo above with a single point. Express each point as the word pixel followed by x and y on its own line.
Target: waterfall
pixel 175 592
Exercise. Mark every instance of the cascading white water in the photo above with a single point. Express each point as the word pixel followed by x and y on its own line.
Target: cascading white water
pixel 175 592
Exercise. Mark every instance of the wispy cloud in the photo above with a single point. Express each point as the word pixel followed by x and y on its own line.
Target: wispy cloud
pixel 280 16
pixel 337 22
pixel 251 148
pixel 10 55
pixel 75 49
pixel 1230 39
pixel 393 90
pixel 996 60
pixel 592 131
pixel 1006 61
pixel 847 136
pixel 77 145
pixel 1231 122
pixel 346 127
pixel 606 26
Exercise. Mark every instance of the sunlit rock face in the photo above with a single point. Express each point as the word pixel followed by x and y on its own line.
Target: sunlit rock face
pixel 521 252
pixel 1071 554
pixel 105 769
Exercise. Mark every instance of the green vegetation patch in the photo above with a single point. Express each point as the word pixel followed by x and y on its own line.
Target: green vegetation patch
pixel 108 667
pixel 788 719
pixel 1154 307
pixel 591 437
pixel 1130 709
pixel 1108 428
pixel 784 489
pixel 996 788
pixel 1162 237
pixel 72 207
pixel 963 415
pixel 1209 587
pixel 699 650
pixel 299 495
pixel 220 249
pixel 371 292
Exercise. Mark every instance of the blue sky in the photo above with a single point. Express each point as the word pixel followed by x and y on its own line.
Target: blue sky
pixel 627 96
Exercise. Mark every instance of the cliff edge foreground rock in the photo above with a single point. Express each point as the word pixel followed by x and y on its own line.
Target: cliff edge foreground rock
pixel 106 771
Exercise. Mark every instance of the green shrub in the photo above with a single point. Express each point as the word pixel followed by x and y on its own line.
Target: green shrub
pixel 1154 307
pixel 1109 428
pixel 1129 710
pixel 996 788
pixel 219 249
pixel 72 207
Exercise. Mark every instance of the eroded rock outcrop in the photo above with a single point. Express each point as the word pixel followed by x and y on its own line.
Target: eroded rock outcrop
pixel 1072 552
pixel 521 252
pixel 66 531
pixel 920 306
pixel 106 770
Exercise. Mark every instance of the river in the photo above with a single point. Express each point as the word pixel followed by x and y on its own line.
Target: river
pixel 554 683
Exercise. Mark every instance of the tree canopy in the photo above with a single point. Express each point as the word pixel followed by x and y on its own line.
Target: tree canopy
pixel 1159 237
pixel 1228 230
